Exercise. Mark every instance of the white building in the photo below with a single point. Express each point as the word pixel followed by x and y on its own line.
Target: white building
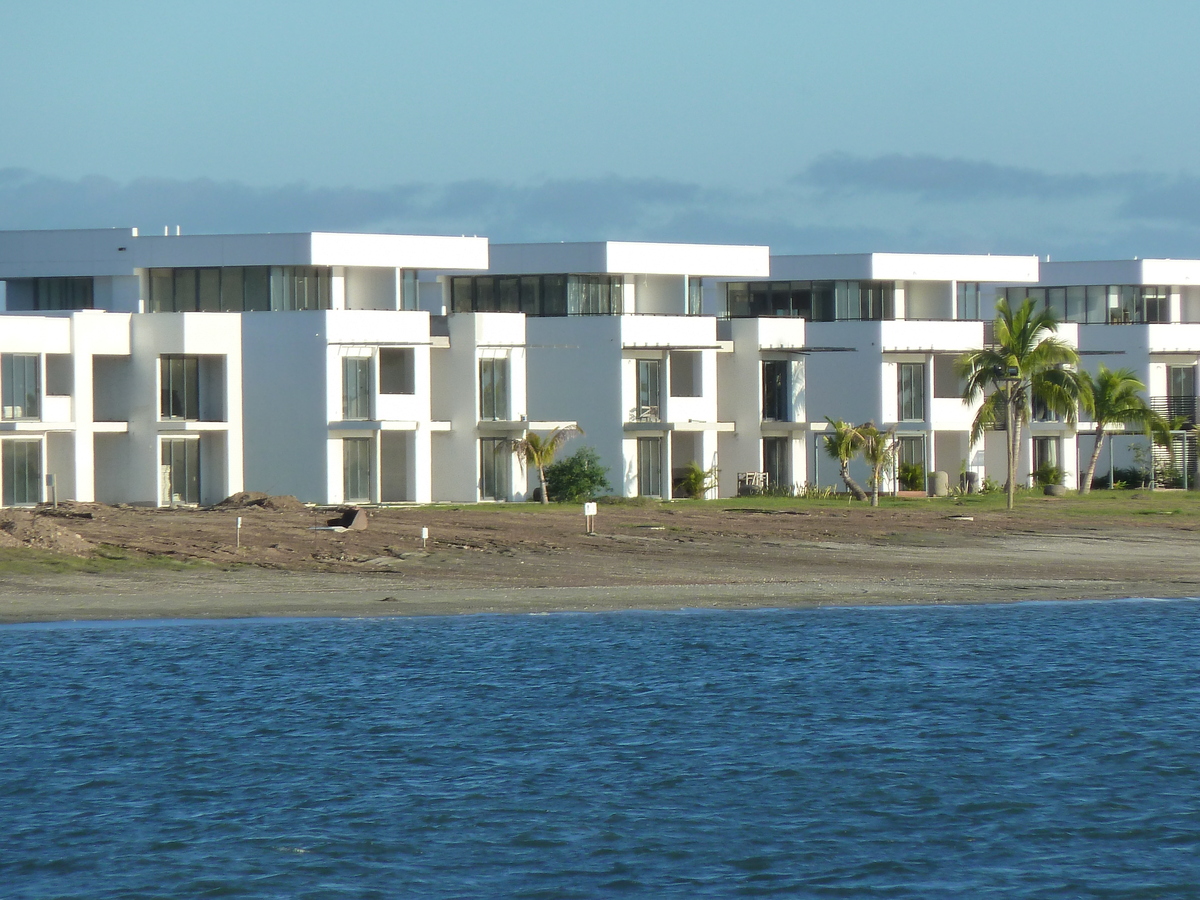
pixel 159 369
pixel 617 341
pixel 880 336
pixel 1140 314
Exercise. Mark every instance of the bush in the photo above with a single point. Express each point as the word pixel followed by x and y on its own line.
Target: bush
pixel 1047 474
pixel 578 477
pixel 695 482
pixel 912 477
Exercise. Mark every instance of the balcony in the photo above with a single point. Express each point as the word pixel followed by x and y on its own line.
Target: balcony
pixel 1173 408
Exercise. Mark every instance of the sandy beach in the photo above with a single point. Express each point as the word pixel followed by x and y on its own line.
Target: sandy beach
pixel 91 562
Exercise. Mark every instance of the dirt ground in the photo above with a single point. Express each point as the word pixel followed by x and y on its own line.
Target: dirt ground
pixel 523 557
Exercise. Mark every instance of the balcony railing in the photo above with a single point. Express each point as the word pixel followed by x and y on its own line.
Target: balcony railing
pixel 645 414
pixel 1172 408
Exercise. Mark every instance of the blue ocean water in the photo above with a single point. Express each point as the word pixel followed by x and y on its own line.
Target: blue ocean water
pixel 1031 750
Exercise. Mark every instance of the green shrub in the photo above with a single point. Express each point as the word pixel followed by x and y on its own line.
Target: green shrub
pixel 695 482
pixel 578 477
pixel 912 477
pixel 1047 474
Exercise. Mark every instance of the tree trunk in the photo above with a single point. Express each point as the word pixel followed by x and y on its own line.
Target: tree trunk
pixel 859 493
pixel 542 479
pixel 1014 450
pixel 1086 486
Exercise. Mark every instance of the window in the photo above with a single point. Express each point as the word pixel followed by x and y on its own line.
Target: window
pixel 695 298
pixel 62 293
pixel 356 388
pixel 356 470
pixel 649 379
pixel 1099 303
pixel 967 306
pixel 910 462
pixel 21 386
pixel 776 404
pixel 409 291
pixel 686 380
pixel 817 301
pixel 1181 392
pixel 181 470
pixel 240 289
pixel 1045 454
pixel 539 295
pixel 397 370
pixel 21 472
pixel 649 453
pixel 912 392
pixel 179 387
pixel 495 458
pixel 775 462
pixel 946 384
pixel 493 388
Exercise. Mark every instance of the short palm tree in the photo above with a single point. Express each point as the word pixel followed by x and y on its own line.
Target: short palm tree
pixel 879 450
pixel 539 452
pixel 1114 396
pixel 844 444
pixel 1025 362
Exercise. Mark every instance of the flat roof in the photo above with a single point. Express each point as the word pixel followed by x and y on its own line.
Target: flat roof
pixel 905 267
pixel 119 251
pixel 1122 271
pixel 631 258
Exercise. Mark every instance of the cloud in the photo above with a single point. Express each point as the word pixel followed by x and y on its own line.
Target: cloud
pixel 934 178
pixel 838 203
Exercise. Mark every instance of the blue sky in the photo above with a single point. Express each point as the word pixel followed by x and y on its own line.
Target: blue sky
pixel 1063 128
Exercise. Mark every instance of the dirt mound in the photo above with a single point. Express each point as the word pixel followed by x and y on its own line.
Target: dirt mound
pixel 259 500
pixel 19 528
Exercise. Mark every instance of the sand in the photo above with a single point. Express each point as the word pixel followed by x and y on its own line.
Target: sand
pixel 525 559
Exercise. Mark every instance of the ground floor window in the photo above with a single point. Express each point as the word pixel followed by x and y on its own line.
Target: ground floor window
pixel 910 462
pixel 775 462
pixel 180 459
pixel 356 470
pixel 495 457
pixel 21 472
pixel 1046 467
pixel 649 452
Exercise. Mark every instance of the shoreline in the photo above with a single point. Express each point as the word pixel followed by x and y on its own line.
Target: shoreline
pixel 151 600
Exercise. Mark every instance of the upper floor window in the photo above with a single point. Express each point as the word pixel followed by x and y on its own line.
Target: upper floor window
pixel 687 377
pixel 967 302
pixel 775 401
pixel 179 387
pixel 1099 303
pixel 695 296
pixel 817 301
pixel 27 294
pixel 912 392
pixel 397 370
pixel 539 295
pixel 356 388
pixel 493 388
pixel 21 386
pixel 240 289
pixel 649 397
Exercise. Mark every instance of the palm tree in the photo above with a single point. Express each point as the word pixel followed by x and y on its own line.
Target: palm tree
pixel 1025 362
pixel 1114 396
pixel 843 445
pixel 537 451
pixel 878 449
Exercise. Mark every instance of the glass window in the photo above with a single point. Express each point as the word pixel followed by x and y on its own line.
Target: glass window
pixel 495 457
pixel 776 401
pixel 208 288
pixel 1096 303
pixel 62 293
pixel 695 305
pixel 232 288
pixel 409 291
pixel 185 290
pixel 256 289
pixel 531 295
pixel 397 370
pixel 649 376
pixel 775 462
pixel 460 295
pixel 356 470
pixel 179 378
pixel 300 287
pixel 649 467
pixel 1156 304
pixel 356 388
pixel 554 295
pixel 21 472
pixel 1045 453
pixel 493 388
pixel 181 470
pixel 1076 304
pixel 485 294
pixel 20 386
pixel 912 392
pixel 968 300
pixel 508 294
pixel 686 380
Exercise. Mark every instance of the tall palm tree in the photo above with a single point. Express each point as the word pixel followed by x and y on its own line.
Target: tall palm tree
pixel 1111 397
pixel 1024 363
pixel 878 449
pixel 538 452
pixel 844 444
